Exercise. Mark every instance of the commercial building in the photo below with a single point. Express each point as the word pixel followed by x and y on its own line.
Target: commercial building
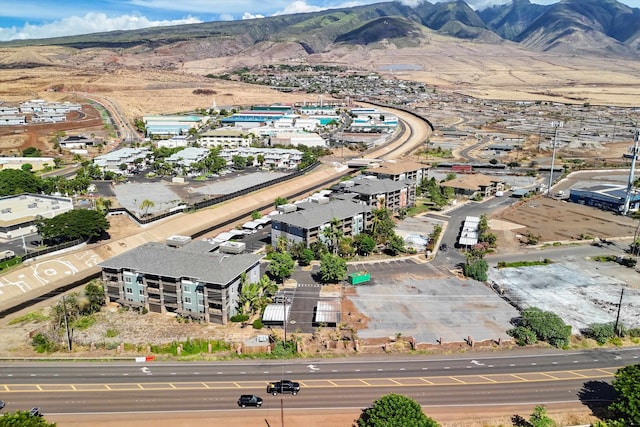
pixel 197 284
pixel 608 197
pixel 168 126
pixel 18 213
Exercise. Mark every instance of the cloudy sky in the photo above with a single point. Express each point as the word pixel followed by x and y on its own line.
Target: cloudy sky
pixel 28 19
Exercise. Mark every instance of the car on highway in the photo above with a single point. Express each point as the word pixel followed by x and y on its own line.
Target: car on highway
pixel 249 400
pixel 284 386
pixel 35 412
pixel 2 404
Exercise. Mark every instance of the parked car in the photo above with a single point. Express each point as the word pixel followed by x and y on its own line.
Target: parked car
pixel 249 400
pixel 444 247
pixel 284 386
pixel 35 412
pixel 1 404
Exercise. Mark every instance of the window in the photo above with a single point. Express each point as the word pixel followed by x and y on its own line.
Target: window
pixel 186 288
pixel 187 300
pixel 127 279
pixel 141 291
pixel 129 290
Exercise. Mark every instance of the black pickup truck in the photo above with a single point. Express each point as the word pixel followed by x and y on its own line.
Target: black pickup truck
pixel 284 386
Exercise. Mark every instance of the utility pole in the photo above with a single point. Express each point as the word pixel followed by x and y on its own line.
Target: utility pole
pixel 615 327
pixel 632 171
pixel 66 321
pixel 556 125
pixel 284 317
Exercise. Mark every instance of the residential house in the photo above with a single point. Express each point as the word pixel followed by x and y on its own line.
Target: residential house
pixel 162 279
pixel 75 142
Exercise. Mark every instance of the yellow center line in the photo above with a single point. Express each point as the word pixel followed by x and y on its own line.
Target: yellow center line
pixel 550 376
pixel 355 382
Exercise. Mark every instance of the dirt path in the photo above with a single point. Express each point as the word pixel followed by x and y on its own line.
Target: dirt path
pixel 564 414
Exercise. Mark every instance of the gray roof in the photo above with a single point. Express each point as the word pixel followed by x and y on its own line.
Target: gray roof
pixel 377 186
pixel 161 260
pixel 313 214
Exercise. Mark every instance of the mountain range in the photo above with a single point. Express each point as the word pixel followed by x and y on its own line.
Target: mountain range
pixel 603 28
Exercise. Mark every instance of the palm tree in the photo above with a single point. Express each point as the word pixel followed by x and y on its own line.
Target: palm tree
pixel 146 205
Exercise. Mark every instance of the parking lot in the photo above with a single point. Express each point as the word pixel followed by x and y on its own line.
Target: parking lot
pixel 427 303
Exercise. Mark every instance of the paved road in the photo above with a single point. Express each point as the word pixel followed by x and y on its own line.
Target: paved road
pixel 515 377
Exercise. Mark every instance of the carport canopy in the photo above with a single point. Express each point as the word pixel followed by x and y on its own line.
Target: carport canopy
pixel 275 313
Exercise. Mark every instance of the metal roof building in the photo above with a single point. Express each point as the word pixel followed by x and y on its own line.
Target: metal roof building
pixel 469 233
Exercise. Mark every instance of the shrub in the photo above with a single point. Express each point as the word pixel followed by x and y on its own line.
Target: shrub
pixel 523 336
pixel 43 344
pixel 257 324
pixel 601 332
pixel 546 326
pixel 239 318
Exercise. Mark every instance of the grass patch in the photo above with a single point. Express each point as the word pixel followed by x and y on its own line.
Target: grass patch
pixel 33 317
pixel 112 333
pixel 84 322
pixel 604 258
pixel 503 264
pixel 191 347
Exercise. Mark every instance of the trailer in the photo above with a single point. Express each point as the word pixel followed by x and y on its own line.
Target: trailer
pixel 359 277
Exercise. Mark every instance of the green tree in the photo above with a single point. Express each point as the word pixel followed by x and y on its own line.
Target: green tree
pixel 395 245
pixel 280 201
pixel 74 224
pixel 31 152
pixel 332 268
pixel 23 419
pixel 546 325
pixel 364 243
pixel 239 162
pixel 145 205
pixel 626 383
pixel 94 292
pixel 332 235
pixel 281 265
pixel 395 410
pixel 256 215
pixel 382 226
pixel 18 181
pixel 27 167
pixel 306 256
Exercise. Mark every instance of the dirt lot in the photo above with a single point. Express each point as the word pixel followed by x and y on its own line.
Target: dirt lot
pixel 552 220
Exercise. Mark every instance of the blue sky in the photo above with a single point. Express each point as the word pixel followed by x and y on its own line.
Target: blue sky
pixel 28 19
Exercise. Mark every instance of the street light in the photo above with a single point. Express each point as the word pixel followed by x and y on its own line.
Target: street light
pixel 556 125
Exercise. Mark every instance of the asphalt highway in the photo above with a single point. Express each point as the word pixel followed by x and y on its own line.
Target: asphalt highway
pixel 512 377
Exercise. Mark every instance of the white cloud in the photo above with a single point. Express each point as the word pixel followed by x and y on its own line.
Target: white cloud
pixel 90 23
pixel 248 15
pixel 298 6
